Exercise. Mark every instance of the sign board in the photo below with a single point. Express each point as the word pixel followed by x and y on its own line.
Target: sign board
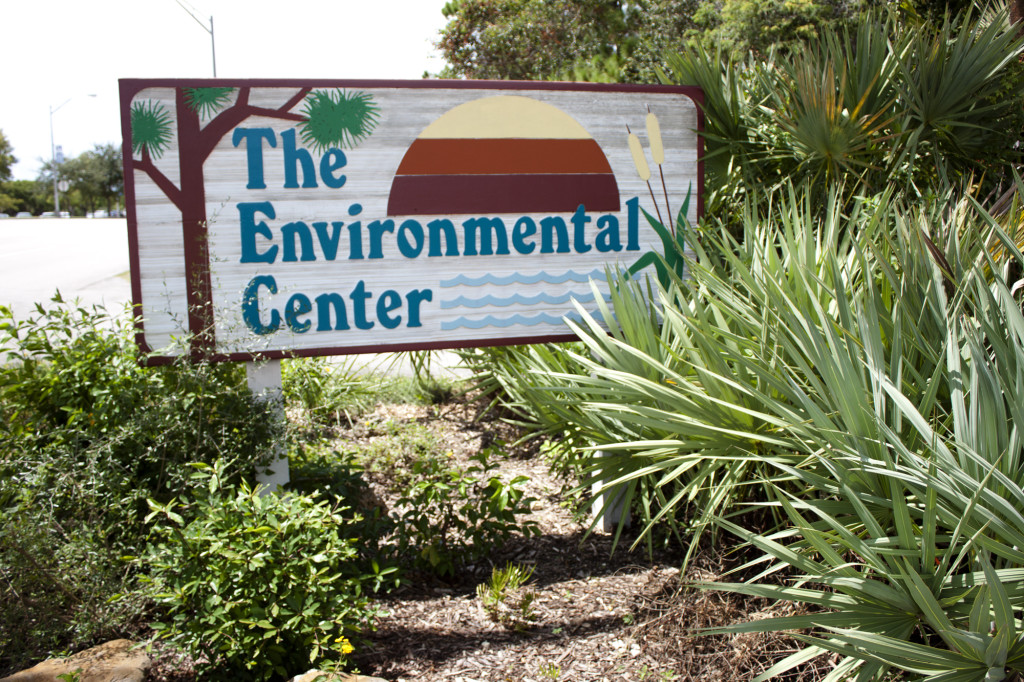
pixel 289 218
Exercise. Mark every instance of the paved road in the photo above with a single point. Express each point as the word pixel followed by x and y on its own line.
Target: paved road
pixel 87 259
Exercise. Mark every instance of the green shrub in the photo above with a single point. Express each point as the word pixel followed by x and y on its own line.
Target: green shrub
pixel 340 477
pixel 258 586
pixel 451 517
pixel 328 393
pixel 87 434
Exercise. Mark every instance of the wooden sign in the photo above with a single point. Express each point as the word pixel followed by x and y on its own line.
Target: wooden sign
pixel 291 218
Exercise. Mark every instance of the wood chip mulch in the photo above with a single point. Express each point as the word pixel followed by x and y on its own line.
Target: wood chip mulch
pixel 599 615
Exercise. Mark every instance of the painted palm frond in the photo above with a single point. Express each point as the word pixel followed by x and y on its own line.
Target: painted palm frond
pixel 207 101
pixel 151 128
pixel 336 118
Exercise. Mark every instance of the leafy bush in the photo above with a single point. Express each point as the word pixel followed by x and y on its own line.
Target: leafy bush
pixel 328 393
pixel 87 434
pixel 887 104
pixel 451 517
pixel 340 477
pixel 258 586
pixel 859 372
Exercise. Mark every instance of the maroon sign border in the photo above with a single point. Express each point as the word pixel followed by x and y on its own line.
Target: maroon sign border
pixel 196 254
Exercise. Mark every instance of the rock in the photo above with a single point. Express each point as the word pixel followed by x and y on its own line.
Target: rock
pixel 115 661
pixel 312 675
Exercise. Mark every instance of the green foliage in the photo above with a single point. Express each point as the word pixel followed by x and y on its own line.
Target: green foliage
pixel 503 599
pixel 329 393
pixel 856 375
pixel 56 584
pixel 206 102
pixel 880 105
pixel 86 436
pixel 531 39
pixel 151 128
pixel 743 26
pixel 338 119
pixel 7 158
pixel 25 195
pixel 612 41
pixel 261 586
pixel 340 477
pixel 450 517
pixel 92 177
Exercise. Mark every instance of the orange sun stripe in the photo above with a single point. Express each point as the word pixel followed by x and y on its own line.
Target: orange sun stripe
pixel 502 157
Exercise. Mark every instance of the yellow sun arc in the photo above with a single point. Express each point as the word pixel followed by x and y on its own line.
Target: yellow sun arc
pixel 508 117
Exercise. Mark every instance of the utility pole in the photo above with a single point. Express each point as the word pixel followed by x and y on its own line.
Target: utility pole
pixel 213 46
pixel 53 155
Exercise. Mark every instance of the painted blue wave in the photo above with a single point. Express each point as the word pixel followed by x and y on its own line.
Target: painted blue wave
pixel 463 301
pixel 520 278
pixel 515 320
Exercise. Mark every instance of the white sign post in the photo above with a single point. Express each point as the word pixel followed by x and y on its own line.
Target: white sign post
pixel 264 379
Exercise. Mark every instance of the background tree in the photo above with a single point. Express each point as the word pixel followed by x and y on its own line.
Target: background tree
pixel 24 195
pixel 7 159
pixel 96 176
pixel 606 40
pixel 534 39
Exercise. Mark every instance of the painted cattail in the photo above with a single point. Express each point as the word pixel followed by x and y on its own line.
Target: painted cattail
pixel 638 156
pixel 642 169
pixel 654 138
pixel 658 154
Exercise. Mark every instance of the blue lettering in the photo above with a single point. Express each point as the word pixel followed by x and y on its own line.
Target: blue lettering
pixel 333 160
pixel 298 305
pixel 450 240
pixel 481 229
pixel 293 157
pixel 579 236
pixel 410 250
pixel 608 239
pixel 633 225
pixel 359 297
pixel 250 228
pixel 251 306
pixel 525 227
pixel 548 226
pixel 324 304
pixel 389 301
pixel 414 298
pixel 329 243
pixel 288 234
pixel 377 229
pixel 254 152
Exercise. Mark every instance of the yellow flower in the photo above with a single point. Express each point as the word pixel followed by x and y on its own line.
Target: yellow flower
pixel 346 646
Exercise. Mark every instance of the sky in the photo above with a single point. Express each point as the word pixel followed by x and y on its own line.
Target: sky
pixel 66 56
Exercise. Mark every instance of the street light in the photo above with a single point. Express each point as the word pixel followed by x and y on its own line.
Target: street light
pixel 213 47
pixel 53 155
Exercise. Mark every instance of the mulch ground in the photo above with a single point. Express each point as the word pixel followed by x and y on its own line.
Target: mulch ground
pixel 598 614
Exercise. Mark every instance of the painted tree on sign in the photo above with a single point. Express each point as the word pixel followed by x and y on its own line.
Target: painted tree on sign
pixel 330 118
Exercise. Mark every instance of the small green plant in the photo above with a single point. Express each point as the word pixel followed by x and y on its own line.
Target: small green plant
pixel 450 516
pixel 257 586
pixel 505 601
pixel 550 671
pixel 71 676
pixel 328 393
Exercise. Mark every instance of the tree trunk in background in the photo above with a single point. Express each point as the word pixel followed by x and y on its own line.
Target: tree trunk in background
pixel 1016 14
